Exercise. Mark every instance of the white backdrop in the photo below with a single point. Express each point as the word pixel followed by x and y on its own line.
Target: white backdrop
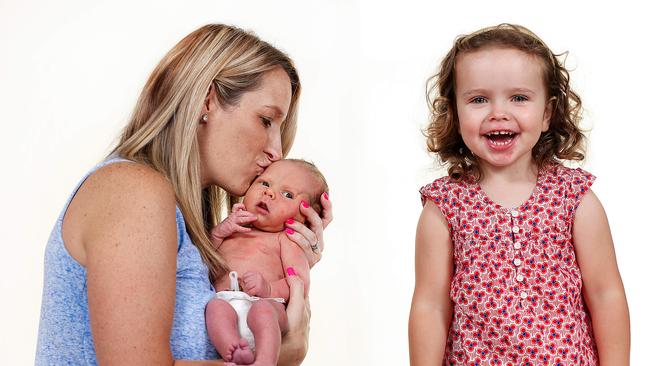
pixel 70 72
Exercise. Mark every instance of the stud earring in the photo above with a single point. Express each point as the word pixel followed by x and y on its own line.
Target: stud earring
pixel 204 117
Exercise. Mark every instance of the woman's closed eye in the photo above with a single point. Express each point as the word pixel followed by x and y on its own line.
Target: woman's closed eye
pixel 266 121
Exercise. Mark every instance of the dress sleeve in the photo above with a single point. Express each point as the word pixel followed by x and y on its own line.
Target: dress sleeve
pixel 579 183
pixel 438 193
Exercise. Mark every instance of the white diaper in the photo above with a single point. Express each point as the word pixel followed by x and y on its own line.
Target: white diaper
pixel 242 302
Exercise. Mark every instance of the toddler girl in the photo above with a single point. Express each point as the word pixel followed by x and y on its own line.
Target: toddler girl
pixel 515 263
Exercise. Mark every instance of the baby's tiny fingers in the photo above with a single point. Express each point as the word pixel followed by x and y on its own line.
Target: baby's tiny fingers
pixel 238 207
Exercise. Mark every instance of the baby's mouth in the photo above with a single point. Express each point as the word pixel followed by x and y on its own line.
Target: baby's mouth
pixel 262 206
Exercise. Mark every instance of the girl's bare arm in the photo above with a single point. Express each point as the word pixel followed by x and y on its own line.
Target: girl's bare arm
pixel 602 285
pixel 431 307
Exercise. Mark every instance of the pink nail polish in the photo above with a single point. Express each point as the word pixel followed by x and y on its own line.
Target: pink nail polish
pixel 289 230
pixel 327 197
pixel 290 271
pixel 305 204
pixel 290 221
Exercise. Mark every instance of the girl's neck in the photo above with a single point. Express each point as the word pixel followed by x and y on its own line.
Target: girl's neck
pixel 523 170
pixel 509 186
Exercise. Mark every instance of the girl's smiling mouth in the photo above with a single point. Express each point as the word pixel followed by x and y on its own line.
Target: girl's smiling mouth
pixel 500 139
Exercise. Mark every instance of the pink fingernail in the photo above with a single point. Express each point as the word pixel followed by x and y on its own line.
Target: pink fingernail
pixel 289 230
pixel 305 204
pixel 327 197
pixel 290 221
pixel 290 271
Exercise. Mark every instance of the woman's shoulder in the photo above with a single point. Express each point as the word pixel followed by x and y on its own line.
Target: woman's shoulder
pixel 121 192
pixel 130 181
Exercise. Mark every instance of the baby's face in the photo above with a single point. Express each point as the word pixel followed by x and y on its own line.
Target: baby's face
pixel 275 195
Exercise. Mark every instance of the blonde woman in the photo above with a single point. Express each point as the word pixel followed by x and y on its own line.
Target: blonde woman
pixel 129 263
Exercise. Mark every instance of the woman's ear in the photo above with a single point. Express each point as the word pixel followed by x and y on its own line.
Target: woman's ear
pixel 210 102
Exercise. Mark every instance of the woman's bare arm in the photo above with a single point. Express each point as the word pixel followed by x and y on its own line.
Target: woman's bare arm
pixel 125 219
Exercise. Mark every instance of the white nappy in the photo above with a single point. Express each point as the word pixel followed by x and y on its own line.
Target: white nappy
pixel 242 302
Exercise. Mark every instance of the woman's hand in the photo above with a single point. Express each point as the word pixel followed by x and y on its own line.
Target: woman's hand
pixel 296 341
pixel 310 237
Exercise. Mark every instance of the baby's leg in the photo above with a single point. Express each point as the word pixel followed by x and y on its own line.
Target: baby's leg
pixel 221 321
pixel 267 319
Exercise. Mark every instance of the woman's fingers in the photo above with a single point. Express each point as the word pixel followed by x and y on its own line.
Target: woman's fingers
pixel 327 214
pixel 296 232
pixel 315 227
pixel 298 311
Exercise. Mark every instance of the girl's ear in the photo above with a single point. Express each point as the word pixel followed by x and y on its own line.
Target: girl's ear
pixel 548 113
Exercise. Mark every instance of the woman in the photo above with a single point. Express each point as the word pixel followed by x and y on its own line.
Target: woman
pixel 129 264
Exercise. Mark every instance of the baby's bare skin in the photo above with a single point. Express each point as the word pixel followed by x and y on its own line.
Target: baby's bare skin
pixel 257 251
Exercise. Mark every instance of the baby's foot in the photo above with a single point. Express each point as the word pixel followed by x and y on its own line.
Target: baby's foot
pixel 242 353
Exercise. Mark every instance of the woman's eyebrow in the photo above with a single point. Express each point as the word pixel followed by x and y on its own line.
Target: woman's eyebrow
pixel 278 112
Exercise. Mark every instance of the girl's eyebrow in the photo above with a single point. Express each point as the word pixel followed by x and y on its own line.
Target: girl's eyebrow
pixel 474 91
pixel 523 90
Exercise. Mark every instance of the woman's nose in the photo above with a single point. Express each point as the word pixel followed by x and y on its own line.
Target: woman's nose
pixel 273 149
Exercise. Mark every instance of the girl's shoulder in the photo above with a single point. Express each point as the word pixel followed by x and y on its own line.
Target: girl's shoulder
pixel 440 189
pixel 563 175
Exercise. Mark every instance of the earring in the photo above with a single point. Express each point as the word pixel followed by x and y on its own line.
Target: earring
pixel 204 118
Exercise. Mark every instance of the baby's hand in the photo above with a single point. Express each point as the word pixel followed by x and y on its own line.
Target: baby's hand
pixel 255 285
pixel 234 223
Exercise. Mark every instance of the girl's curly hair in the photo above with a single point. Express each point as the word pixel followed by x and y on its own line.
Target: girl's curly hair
pixel 564 140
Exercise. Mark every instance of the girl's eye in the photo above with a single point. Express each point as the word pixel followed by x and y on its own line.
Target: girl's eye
pixel 519 98
pixel 478 100
pixel 287 194
pixel 264 183
pixel 266 121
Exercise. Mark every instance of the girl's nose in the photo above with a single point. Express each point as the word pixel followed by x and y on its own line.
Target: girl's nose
pixel 498 113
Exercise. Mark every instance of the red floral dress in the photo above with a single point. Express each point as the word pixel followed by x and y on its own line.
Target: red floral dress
pixel 516 286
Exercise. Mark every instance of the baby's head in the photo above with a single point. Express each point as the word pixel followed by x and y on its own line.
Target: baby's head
pixel 556 138
pixel 275 196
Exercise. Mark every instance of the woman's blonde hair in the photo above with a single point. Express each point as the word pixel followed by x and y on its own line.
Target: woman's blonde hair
pixel 563 141
pixel 162 132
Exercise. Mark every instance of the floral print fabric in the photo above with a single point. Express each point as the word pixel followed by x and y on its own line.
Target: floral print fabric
pixel 516 286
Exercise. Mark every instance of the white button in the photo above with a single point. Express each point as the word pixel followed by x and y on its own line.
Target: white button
pixel 520 277
pixel 514 213
pixel 515 229
pixel 517 245
pixel 517 262
pixel 523 295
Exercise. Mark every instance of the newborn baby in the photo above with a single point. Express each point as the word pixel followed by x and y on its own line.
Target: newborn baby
pixel 240 323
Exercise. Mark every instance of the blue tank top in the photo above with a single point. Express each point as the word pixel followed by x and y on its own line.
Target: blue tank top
pixel 64 336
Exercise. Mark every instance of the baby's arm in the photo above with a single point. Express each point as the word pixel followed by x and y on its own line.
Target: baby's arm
pixel 292 256
pixel 232 224
pixel 431 307
pixel 602 285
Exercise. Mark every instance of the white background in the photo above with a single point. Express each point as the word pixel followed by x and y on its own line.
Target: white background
pixel 70 72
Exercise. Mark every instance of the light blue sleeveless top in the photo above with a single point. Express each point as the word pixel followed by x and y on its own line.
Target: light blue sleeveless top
pixel 64 336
